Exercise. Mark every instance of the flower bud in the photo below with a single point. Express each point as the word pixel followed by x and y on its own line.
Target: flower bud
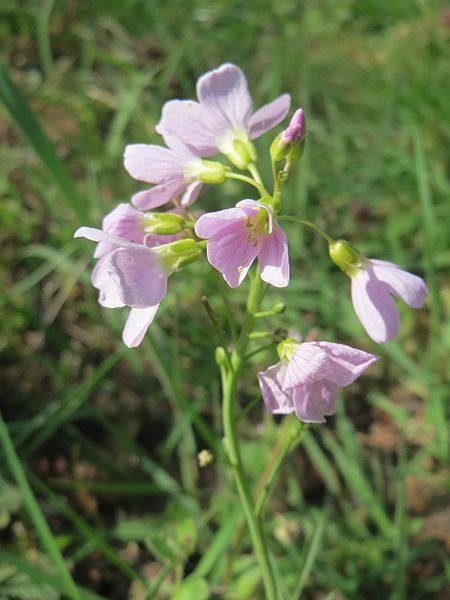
pixel 178 254
pixel 347 258
pixel 290 143
pixel 163 223
pixel 220 356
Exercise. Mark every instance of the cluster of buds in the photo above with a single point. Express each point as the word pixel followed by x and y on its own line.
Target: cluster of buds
pixel 137 250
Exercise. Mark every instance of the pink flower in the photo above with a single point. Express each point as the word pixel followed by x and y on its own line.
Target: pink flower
pixel 238 235
pixel 306 379
pixel 176 169
pixel 130 275
pixel 222 116
pixel 130 224
pixel 373 286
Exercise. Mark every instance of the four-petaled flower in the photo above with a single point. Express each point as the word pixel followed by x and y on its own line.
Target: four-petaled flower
pixel 129 275
pixel 372 289
pixel 306 379
pixel 177 170
pixel 236 236
pixel 223 119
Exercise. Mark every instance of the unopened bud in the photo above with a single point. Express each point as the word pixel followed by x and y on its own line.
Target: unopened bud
pixel 347 258
pixel 220 356
pixel 290 143
pixel 163 223
pixel 178 254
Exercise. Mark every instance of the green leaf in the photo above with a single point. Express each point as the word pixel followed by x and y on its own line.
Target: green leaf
pixel 192 587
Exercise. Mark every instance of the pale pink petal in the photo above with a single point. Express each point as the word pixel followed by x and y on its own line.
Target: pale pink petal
pixel 275 399
pixel 137 324
pixel 211 223
pixel 191 194
pixel 308 364
pixel 346 363
pixel 224 94
pixel 410 288
pixel 186 120
pixel 374 306
pixel 97 235
pixel 124 222
pixel 315 400
pixel 153 164
pixel 269 116
pixel 101 279
pixel 231 253
pixel 274 258
pixel 159 195
pixel 138 276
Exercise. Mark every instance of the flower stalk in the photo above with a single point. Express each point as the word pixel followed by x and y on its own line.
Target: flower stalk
pixel 230 378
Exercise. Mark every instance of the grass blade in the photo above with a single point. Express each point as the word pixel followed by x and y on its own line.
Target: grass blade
pixel 24 119
pixel 35 513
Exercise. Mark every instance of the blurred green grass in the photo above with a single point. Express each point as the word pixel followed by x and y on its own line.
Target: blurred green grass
pixel 355 511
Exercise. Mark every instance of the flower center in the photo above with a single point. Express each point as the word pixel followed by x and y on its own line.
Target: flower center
pixel 256 226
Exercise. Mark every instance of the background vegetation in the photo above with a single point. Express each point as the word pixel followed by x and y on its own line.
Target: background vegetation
pixel 100 491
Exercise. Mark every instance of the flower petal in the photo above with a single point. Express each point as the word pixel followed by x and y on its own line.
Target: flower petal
pixel 315 400
pixel 191 194
pixel 231 253
pixel 255 205
pixel 97 235
pixel 137 324
pixel 211 223
pixel 275 399
pixel 269 116
pixel 137 273
pixel 410 288
pixel 308 364
pixel 346 363
pixel 124 222
pixel 274 258
pixel 101 279
pixel 186 120
pixel 374 306
pixel 153 164
pixel 223 92
pixel 159 195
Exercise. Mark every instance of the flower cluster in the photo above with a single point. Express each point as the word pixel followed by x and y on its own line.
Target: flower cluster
pixel 138 248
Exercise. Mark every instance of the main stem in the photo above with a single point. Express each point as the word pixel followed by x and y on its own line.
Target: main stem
pixel 230 379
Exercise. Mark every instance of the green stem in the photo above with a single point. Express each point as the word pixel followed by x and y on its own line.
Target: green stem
pixel 253 170
pixel 276 181
pixel 231 442
pixel 256 184
pixel 317 229
pixel 291 433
